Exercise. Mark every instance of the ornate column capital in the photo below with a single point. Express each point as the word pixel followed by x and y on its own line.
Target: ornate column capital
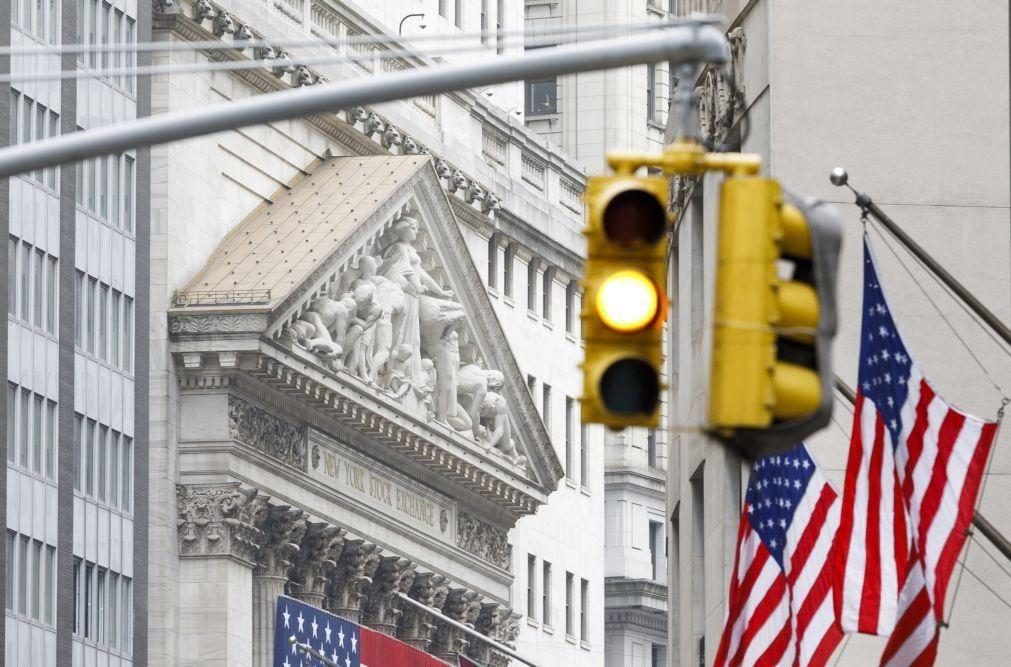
pixel 382 607
pixel 357 563
pixel 219 520
pixel 313 565
pixel 463 606
pixel 282 528
pixel 415 626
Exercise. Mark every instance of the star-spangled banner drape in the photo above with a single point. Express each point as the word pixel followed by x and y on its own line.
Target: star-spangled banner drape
pixel 780 605
pixel 340 640
pixel 913 475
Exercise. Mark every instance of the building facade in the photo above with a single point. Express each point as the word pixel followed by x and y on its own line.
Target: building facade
pixel 364 333
pixel 816 95
pixel 75 346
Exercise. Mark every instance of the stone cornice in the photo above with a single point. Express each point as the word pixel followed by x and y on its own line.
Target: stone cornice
pixel 650 481
pixel 654 624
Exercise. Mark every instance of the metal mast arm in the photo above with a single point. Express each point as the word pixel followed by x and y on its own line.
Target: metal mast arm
pixel 693 42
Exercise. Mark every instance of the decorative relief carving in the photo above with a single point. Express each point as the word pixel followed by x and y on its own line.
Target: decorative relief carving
pixel 390 320
pixel 315 562
pixel 201 324
pixel 463 606
pixel 415 626
pixel 219 520
pixel 495 622
pixel 487 542
pixel 264 432
pixel 282 528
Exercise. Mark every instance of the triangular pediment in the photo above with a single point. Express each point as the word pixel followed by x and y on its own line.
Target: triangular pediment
pixel 361 270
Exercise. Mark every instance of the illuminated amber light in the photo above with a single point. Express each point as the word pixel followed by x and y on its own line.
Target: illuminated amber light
pixel 628 301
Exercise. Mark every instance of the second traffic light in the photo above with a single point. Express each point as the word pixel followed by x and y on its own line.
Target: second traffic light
pixel 771 381
pixel 625 301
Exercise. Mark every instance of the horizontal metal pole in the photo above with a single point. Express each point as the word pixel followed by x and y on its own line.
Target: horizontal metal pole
pixel 988 530
pixel 682 43
pixel 502 648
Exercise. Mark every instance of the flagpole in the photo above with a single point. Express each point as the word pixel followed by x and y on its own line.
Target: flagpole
pixel 840 178
pixel 988 530
pixel 305 648
pixel 502 648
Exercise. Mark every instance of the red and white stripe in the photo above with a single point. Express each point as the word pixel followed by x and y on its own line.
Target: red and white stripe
pixel 904 518
pixel 785 616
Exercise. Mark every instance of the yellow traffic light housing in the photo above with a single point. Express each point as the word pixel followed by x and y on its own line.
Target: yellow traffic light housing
pixel 771 356
pixel 625 302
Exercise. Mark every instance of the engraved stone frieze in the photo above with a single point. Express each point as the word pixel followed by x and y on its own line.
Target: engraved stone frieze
pixel 219 520
pixel 202 324
pixel 487 542
pixel 266 433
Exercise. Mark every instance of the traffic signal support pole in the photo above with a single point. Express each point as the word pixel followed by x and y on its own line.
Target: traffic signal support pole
pixel 695 41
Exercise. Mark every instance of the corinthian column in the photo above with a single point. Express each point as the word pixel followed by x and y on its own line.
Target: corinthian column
pixel 218 540
pixel 315 562
pixel 381 608
pixel 449 642
pixel 282 529
pixel 415 626
pixel 357 563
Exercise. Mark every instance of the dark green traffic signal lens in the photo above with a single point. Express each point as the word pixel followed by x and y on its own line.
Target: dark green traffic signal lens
pixel 630 387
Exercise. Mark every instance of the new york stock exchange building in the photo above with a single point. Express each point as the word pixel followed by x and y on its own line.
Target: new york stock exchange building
pixel 351 433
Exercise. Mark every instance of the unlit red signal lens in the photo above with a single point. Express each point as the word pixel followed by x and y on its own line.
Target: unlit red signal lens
pixel 634 217
pixel 630 387
pixel 628 301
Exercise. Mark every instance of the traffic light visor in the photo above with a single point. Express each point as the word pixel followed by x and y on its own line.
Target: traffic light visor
pixel 628 301
pixel 630 386
pixel 634 217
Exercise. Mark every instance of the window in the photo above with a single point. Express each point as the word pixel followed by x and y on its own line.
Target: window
pixel 12 403
pixel 114 469
pixel 458 14
pixel 12 273
pixel 81 18
pixel 100 605
pixel 531 385
pixel 106 20
pixel 443 9
pixel 549 280
pixel 92 306
pixel 113 608
pixel 531 586
pixel 26 268
pixel 15 115
pixel 532 287
pixel 584 458
pixel 103 180
pixel 50 439
pixel 128 176
pixel 131 80
pixel 37 414
pixel 117 56
pixel 79 309
pixel 22 597
pixel 103 460
pixel 12 539
pixel 655 543
pixel 50 585
pixel 699 605
pixel 542 96
pixel 51 294
pixel 89 601
pixel 546 593
pixel 569 458
pixel 92 180
pixel 584 616
pixel 546 405
pixel 507 272
pixel 484 22
pixel 569 585
pixel 54 131
pixel 657 655
pixel 127 476
pixel 77 596
pixel 127 334
pixel 651 447
pixel 499 23
pixel 651 110
pixel 26 411
pixel 114 199
pixel 127 598
pixel 40 128
pixel 78 450
pixel 103 321
pixel 38 273
pixel 89 457
pixel 492 261
pixel 26 125
pixel 570 307
pixel 36 579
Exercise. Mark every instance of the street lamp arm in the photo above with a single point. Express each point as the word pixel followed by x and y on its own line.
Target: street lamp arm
pixel 400 28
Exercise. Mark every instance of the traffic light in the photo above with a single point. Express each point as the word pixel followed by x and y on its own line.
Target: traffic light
pixel 625 301
pixel 771 380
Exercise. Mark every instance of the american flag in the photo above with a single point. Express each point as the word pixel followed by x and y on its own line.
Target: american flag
pixel 914 470
pixel 781 610
pixel 343 642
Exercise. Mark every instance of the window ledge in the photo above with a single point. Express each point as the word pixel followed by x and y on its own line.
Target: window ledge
pixel 653 9
pixel 584 645
pixel 509 301
pixel 584 490
pixel 493 291
pixel 548 324
pixel 571 483
pixel 548 629
pixel 533 622
pixel 532 315
pixel 571 337
pixel 569 638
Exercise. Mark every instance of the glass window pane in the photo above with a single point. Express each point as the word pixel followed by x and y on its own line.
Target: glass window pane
pixel 93 32
pixel 106 20
pixel 132 79
pixel 26 120
pixel 79 309
pixel 51 292
pixel 9 584
pixel 37 415
pixel 89 457
pixel 113 608
pixel 127 615
pixel 89 601
pixel 92 306
pixel 117 177
pixel 92 176
pixel 127 477
pixel 115 328
pixel 114 469
pixel 103 458
pixel 54 131
pixel 26 267
pixel 50 439
pixel 103 184
pixel 23 576
pixel 101 602
pixel 78 450
pixel 127 334
pixel 12 403
pixel 40 126
pixel 15 116
pixel 542 97
pixel 77 596
pixel 37 580
pixel 117 38
pixel 50 588
pixel 103 322
pixel 26 411
pixel 128 176
pixel 38 289
pixel 12 271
